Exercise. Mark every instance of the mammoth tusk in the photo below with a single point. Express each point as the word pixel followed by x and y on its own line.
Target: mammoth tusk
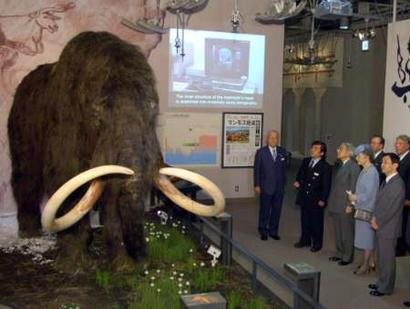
pixel 185 202
pixel 53 224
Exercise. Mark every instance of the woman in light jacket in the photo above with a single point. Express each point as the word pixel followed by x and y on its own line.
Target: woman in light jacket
pixel 364 198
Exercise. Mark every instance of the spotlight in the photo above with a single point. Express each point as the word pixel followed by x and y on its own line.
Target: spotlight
pixel 344 23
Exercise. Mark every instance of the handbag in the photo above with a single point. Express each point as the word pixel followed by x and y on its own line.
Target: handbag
pixel 363 214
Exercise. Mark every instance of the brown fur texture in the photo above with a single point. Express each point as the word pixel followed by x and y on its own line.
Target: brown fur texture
pixel 97 105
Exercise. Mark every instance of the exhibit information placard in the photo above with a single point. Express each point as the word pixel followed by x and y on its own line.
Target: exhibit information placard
pixel 241 138
pixel 192 139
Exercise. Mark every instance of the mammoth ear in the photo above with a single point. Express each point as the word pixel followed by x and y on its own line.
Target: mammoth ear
pixel 53 224
pixel 185 202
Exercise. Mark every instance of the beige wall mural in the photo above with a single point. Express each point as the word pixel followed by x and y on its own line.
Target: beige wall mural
pixel 35 32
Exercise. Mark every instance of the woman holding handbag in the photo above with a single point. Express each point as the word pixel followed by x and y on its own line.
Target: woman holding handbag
pixel 362 204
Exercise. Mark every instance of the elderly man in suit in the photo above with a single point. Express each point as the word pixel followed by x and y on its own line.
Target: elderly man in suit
pixel 344 180
pixel 269 183
pixel 386 222
pixel 402 146
pixel 377 144
pixel 313 181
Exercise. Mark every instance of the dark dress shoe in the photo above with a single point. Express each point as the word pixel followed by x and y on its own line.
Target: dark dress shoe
pixel 344 263
pixel 315 249
pixel 334 259
pixel 406 304
pixel 373 286
pixel 275 237
pixel 376 293
pixel 300 244
pixel 400 252
pixel 264 237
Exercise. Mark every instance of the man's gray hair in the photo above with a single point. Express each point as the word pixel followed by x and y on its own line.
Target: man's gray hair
pixel 350 148
pixel 271 132
pixel 404 138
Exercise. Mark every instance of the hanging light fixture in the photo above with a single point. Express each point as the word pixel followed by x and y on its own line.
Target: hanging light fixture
pixel 154 25
pixel 280 10
pixel 236 18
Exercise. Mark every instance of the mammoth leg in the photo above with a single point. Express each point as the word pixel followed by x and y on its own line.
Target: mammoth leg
pixel 73 243
pixel 28 192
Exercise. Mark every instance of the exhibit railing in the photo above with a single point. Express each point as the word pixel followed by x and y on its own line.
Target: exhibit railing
pixel 224 232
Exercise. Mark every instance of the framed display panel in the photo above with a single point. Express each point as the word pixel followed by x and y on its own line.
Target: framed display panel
pixel 192 139
pixel 241 138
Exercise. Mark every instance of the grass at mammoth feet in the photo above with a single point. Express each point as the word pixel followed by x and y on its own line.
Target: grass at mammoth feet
pixel 175 266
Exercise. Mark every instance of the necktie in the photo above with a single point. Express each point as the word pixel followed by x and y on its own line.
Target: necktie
pixel 274 154
pixel 311 163
pixel 383 184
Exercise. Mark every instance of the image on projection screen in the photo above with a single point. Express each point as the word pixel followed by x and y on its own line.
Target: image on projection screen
pixel 219 69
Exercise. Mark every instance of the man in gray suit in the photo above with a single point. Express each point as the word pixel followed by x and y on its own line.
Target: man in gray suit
pixel 386 222
pixel 345 180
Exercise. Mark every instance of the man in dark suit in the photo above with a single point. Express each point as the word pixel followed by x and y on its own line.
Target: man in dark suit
pixel 402 149
pixel 387 224
pixel 377 144
pixel 269 182
pixel 313 181
pixel 344 180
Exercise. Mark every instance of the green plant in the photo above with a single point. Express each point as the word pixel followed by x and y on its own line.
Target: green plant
pixel 208 278
pixel 103 279
pixel 175 248
pixel 162 295
pixel 258 302
pixel 234 300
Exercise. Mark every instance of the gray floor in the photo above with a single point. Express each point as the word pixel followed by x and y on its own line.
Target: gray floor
pixel 340 288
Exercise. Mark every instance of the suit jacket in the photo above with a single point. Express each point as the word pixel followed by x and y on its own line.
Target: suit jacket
pixel 404 171
pixel 389 208
pixel 314 183
pixel 344 180
pixel 269 174
pixel 378 165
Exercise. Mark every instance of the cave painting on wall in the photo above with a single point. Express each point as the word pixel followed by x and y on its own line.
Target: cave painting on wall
pixel 29 39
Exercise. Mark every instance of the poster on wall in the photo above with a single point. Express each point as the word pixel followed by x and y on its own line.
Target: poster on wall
pixel 396 117
pixel 192 139
pixel 241 138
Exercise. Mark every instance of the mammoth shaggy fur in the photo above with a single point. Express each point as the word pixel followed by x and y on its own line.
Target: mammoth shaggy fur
pixel 97 105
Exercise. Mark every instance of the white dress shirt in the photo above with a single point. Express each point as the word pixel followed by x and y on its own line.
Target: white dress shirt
pixel 377 153
pixel 404 155
pixel 273 152
pixel 390 177
pixel 314 162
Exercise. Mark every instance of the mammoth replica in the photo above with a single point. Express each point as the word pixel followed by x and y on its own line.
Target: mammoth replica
pixel 91 117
